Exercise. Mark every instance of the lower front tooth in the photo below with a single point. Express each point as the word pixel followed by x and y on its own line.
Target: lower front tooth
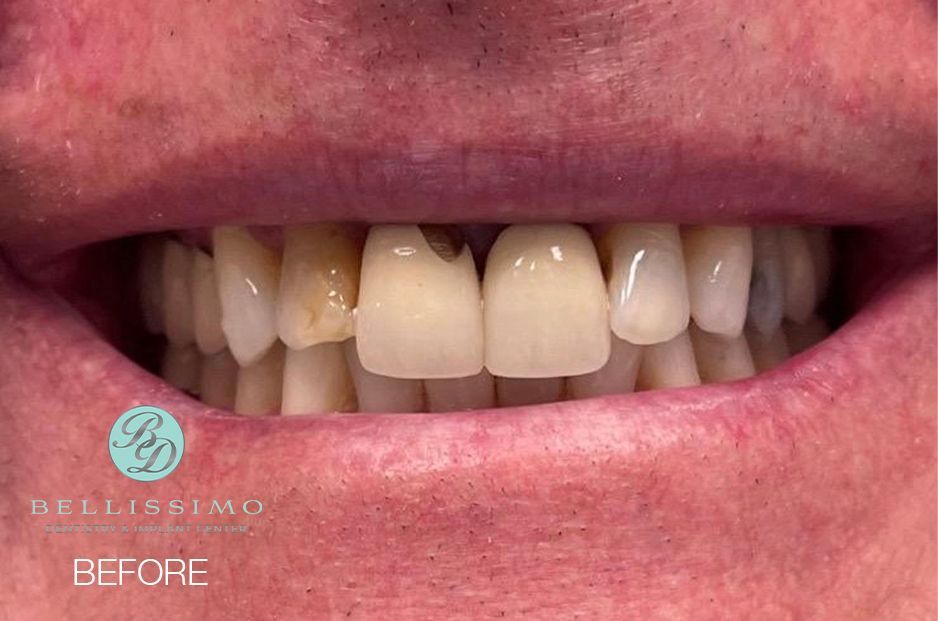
pixel 768 350
pixel 800 279
pixel 617 376
pixel 260 384
pixel 460 393
pixel 668 365
pixel 514 392
pixel 767 289
pixel 316 381
pixel 719 265
pixel 721 358
pixel 378 393
pixel 806 334
pixel 150 281
pixel 206 305
pixel 219 380
pixel 177 293
pixel 819 241
pixel 180 367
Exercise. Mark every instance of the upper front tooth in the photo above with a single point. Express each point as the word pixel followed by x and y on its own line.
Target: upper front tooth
pixel 248 273
pixel 316 381
pixel 177 293
pixel 546 310
pixel 206 306
pixel 721 358
pixel 767 290
pixel 647 284
pixel 800 279
pixel 719 264
pixel 260 385
pixel 150 276
pixel 419 310
pixel 318 285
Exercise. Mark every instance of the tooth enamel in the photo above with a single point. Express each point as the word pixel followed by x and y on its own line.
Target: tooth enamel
pixel 260 384
pixel 767 289
pixel 419 310
pixel 318 285
pixel 545 303
pixel 513 391
pixel 316 381
pixel 177 293
pixel 803 335
pixel 248 274
pixel 768 350
pixel 721 358
pixel 460 393
pixel 206 305
pixel 800 279
pixel 668 365
pixel 180 367
pixel 819 241
pixel 647 285
pixel 219 380
pixel 616 377
pixel 719 265
pixel 378 393
pixel 150 278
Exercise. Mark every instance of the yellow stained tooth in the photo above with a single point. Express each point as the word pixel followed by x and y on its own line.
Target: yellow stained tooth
pixel 668 365
pixel 150 279
pixel 800 279
pixel 219 380
pixel 316 380
pixel 719 266
pixel 206 306
pixel 460 393
pixel 378 393
pixel 260 384
pixel 768 350
pixel 721 358
pixel 514 392
pixel 177 293
pixel 180 367
pixel 616 377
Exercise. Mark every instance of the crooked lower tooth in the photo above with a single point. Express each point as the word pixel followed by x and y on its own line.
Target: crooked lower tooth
pixel 668 365
pixel 545 303
pixel 318 285
pixel 647 284
pixel 378 393
pixel 248 274
pixel 800 279
pixel 721 358
pixel 719 265
pixel 514 391
pixel 460 393
pixel 316 381
pixel 150 279
pixel 180 367
pixel 177 293
pixel 768 350
pixel 419 310
pixel 617 376
pixel 767 289
pixel 260 384
pixel 219 380
pixel 806 334
pixel 206 306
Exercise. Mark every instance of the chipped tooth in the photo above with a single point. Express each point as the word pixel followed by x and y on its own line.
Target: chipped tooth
pixel 248 273
pixel 219 380
pixel 668 365
pixel 545 303
pixel 721 358
pixel 617 376
pixel 513 391
pixel 419 311
pixel 800 279
pixel 378 393
pixel 316 381
pixel 177 293
pixel 260 384
pixel 206 306
pixel 767 289
pixel 819 242
pixel 719 264
pixel 460 393
pixel 150 278
pixel 647 284
pixel 768 350
pixel 180 367
pixel 318 285
pixel 806 334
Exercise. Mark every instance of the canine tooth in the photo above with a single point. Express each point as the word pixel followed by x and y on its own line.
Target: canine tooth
pixel 800 279
pixel 419 310
pixel 378 393
pixel 668 365
pixel 150 281
pixel 819 242
pixel 180 367
pixel 219 380
pixel 514 391
pixel 177 293
pixel 721 358
pixel 546 309
pixel 260 384
pixel 616 377
pixel 647 284
pixel 318 285
pixel 206 305
pixel 767 289
pixel 768 350
pixel 460 393
pixel 248 274
pixel 803 335
pixel 316 381
pixel 719 264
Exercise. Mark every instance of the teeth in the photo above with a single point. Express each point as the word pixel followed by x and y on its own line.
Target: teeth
pixel 419 312
pixel 260 384
pixel 721 358
pixel 719 264
pixel 545 303
pixel 316 381
pixel 318 286
pixel 460 393
pixel 219 380
pixel 150 278
pixel 768 350
pixel 177 293
pixel 800 279
pixel 378 393
pixel 513 392
pixel 616 377
pixel 803 335
pixel 180 367
pixel 207 307
pixel 668 365
pixel 819 241
pixel 647 284
pixel 248 274
pixel 767 290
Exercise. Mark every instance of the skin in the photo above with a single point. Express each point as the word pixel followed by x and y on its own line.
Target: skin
pixel 807 492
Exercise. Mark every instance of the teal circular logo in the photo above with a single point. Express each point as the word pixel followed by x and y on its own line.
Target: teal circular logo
pixel 146 443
